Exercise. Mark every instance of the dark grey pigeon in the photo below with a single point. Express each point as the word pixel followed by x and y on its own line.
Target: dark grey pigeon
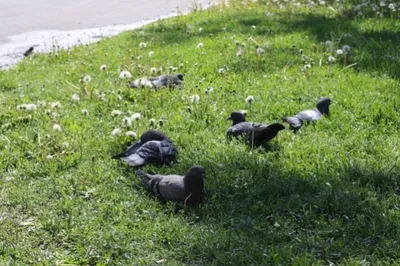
pixel 188 189
pixel 170 81
pixel 153 147
pixel 255 133
pixel 315 114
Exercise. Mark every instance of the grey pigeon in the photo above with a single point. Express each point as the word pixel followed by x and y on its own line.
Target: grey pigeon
pixel 188 189
pixel 315 114
pixel 170 81
pixel 153 147
pixel 255 133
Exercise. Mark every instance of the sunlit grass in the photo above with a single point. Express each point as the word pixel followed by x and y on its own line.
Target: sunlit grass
pixel 326 194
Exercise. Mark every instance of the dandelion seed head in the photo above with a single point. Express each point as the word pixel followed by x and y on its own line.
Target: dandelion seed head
pixel 136 116
pixel 260 51
pixel 253 27
pixel 200 45
pixel 346 48
pixel 151 53
pixel 75 97
pixel 56 127
pixel 116 132
pixel 249 99
pixel 200 29
pixel 49 157
pixel 152 122
pixel 142 45
pixel 55 105
pixel 131 134
pixel 41 103
pixel 331 59
pixel 194 98
pixel 307 66
pixel 116 112
pixel 103 67
pixel 125 74
pixel 221 70
pixel 126 122
pixel 85 112
pixel 153 70
pixel 86 79
pixel 339 52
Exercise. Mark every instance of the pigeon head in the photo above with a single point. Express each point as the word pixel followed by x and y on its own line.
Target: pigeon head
pixel 323 105
pixel 179 76
pixel 150 135
pixel 193 183
pixel 237 117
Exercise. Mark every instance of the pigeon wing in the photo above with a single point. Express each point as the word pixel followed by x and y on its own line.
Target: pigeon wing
pixel 129 151
pixel 309 115
pixel 294 122
pixel 239 129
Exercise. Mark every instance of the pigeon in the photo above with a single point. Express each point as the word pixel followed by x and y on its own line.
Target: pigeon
pixel 188 189
pixel 170 81
pixel 153 147
pixel 256 133
pixel 297 120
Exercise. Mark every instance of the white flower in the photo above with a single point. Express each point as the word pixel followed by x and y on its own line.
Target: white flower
pixel 103 67
pixel 126 122
pixel 194 98
pixel 250 99
pixel 86 79
pixel 142 45
pixel 200 29
pixel 153 70
pixel 151 53
pixel 125 75
pixel 75 97
pixel 116 112
pixel 136 116
pixel 331 59
pixel 56 127
pixel 260 51
pixel 392 6
pixel 339 51
pixel 382 3
pixel 41 103
pixel 221 70
pixel 152 122
pixel 307 66
pixel 31 107
pixel 253 27
pixel 116 132
pixel 200 45
pixel 209 89
pixel 346 48
pixel 131 134
pixel 55 105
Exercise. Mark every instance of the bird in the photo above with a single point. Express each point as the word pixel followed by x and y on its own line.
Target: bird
pixel 170 81
pixel 255 133
pixel 315 114
pixel 154 147
pixel 29 50
pixel 188 189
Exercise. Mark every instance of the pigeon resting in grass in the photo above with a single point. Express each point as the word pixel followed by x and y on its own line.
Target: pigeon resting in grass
pixel 188 189
pixel 255 133
pixel 296 121
pixel 153 147
pixel 170 81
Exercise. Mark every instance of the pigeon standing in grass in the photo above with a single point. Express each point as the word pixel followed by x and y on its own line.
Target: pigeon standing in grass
pixel 255 133
pixel 153 147
pixel 297 120
pixel 170 81
pixel 188 189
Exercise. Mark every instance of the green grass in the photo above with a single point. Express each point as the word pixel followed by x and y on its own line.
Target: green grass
pixel 324 195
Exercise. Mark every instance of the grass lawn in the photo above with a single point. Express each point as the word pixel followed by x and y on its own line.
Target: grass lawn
pixel 328 194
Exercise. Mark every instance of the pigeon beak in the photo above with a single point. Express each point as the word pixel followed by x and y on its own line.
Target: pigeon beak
pixel 229 118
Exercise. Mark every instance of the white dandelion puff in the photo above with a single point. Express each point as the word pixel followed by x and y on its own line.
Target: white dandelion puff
pixel 260 50
pixel 382 3
pixel 346 48
pixel 253 27
pixel 151 53
pixel 194 98
pixel 49 157
pixel 131 134
pixel 339 52
pixel 153 70
pixel 125 74
pixel 65 144
pixel 56 127
pixel 86 79
pixel 55 105
pixel 392 6
pixel 103 67
pixel 249 99
pixel 31 107
pixel 75 97
pixel 307 66
pixel 116 132
pixel 116 113
pixel 209 90
pixel 200 45
pixel 331 59
pixel 221 70
pixel 41 103
pixel 126 122
pixel 200 29
pixel 85 112
pixel 136 116
pixel 142 45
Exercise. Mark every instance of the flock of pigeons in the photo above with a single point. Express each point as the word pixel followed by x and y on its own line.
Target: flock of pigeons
pixel 154 147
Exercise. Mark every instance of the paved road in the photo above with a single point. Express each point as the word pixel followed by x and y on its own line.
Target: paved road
pixel 24 23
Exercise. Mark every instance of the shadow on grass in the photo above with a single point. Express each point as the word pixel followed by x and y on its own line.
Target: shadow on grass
pixel 263 213
pixel 374 50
